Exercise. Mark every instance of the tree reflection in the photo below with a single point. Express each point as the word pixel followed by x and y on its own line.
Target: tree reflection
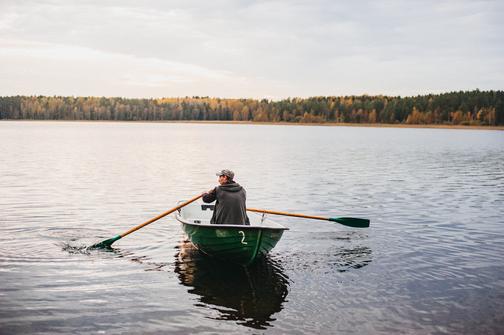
pixel 248 295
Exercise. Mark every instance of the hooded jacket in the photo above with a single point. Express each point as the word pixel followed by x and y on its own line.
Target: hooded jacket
pixel 230 205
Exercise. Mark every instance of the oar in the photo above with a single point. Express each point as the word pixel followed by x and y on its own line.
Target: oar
pixel 346 221
pixel 108 243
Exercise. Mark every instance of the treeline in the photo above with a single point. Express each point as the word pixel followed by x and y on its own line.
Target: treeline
pixel 457 108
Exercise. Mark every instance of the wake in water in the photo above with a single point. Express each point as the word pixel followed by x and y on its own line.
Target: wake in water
pixel 82 249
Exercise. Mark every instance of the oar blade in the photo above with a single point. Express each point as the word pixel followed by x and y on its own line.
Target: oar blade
pixel 105 244
pixel 352 222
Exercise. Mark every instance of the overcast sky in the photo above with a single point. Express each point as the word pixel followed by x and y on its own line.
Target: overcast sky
pixel 256 49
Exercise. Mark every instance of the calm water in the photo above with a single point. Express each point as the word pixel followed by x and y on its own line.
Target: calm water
pixel 431 263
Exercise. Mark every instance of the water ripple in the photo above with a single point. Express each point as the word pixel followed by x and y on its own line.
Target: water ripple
pixel 431 262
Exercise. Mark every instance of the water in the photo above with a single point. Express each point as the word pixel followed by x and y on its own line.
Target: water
pixel 431 263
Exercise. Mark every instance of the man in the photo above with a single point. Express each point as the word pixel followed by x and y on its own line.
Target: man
pixel 230 200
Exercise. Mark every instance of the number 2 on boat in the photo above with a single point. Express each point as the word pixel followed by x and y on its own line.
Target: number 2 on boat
pixel 243 236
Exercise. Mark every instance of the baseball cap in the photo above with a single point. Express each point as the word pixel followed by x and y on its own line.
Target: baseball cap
pixel 225 172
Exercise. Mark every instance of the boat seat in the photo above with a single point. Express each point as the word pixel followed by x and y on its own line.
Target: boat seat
pixel 205 207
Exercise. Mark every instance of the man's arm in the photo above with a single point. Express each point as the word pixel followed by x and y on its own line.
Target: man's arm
pixel 210 196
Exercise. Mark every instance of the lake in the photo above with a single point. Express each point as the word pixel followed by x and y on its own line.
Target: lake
pixel 431 262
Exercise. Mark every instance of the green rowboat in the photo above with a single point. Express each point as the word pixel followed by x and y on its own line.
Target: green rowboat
pixel 239 244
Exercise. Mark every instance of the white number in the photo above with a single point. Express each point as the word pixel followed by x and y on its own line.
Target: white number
pixel 243 237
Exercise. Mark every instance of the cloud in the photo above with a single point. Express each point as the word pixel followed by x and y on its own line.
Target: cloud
pixel 253 48
pixel 84 71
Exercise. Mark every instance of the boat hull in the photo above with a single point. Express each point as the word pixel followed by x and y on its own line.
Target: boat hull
pixel 240 244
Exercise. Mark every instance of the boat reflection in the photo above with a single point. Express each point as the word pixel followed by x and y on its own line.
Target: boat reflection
pixel 248 295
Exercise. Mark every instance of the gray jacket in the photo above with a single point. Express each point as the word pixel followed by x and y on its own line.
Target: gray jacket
pixel 230 206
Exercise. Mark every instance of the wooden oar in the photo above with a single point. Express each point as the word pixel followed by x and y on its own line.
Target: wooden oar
pixel 346 221
pixel 108 243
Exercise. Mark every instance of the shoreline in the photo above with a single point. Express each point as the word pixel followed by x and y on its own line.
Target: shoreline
pixel 318 124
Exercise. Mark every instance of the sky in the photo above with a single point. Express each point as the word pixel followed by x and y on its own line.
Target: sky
pixel 249 49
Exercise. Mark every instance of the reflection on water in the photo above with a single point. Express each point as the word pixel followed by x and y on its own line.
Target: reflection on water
pixel 431 262
pixel 248 295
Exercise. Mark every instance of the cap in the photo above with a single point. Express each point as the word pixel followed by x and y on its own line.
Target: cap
pixel 228 173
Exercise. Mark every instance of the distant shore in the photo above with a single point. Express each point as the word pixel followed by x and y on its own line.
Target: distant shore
pixel 324 124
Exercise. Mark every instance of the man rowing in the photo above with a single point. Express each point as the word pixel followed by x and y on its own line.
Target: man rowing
pixel 230 199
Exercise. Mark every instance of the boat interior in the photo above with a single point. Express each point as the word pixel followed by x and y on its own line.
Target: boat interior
pixel 200 213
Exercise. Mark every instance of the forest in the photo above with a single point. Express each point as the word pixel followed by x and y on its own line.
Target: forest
pixel 454 108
